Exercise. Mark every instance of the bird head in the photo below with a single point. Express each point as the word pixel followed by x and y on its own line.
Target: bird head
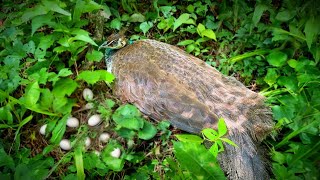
pixel 115 41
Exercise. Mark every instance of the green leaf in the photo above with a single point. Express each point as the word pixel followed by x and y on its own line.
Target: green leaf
pixel 59 130
pixel 116 24
pixel 79 163
pixel 222 127
pixel 200 29
pixel 32 94
pixel 145 26
pixel 65 86
pixel 210 34
pixel 277 58
pixel 93 77
pixel 45 42
pixel 40 21
pixel 65 72
pixel 6 160
pixel 229 142
pixel 285 15
pixel 311 29
pixel 82 35
pixel 290 82
pixel 293 63
pixel 183 18
pixel 211 134
pixel 147 132
pixel 197 160
pixel 54 6
pixel 271 76
pixel 278 157
pixel 258 11
pixel 46 99
pixel 189 138
pixel 94 56
pixel 128 116
pixel 32 12
pixel 185 42
pixel 137 17
pixel 85 7
pixel 115 164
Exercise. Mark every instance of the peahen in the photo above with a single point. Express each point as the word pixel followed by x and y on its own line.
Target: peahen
pixel 165 82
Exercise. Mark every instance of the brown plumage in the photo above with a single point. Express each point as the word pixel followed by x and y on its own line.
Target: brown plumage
pixel 164 82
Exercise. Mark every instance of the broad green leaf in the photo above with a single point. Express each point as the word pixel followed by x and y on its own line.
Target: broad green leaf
pixel 32 12
pixel 65 72
pixel 145 26
pixel 293 63
pixel 197 160
pixel 183 18
pixel 311 29
pixel 32 94
pixel 200 29
pixel 190 48
pixel 137 17
pixel 285 15
pixel 45 42
pixel 54 6
pixel 116 24
pixel 82 35
pixel 6 115
pixel 6 160
pixel 85 7
pixel 290 82
pixel 94 56
pixel 189 138
pixel 185 42
pixel 271 76
pixel 92 77
pixel 128 116
pixel 211 134
pixel 222 127
pixel 277 58
pixel 78 158
pixel 59 130
pixel 40 21
pixel 229 142
pixel 210 34
pixel 147 132
pixel 46 99
pixel 258 11
pixel 190 8
pixel 278 157
pixel 116 164
pixel 65 86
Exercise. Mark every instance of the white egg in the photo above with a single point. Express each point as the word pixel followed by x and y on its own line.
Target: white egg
pixel 65 144
pixel 72 122
pixel 104 137
pixel 116 153
pixel 88 106
pixel 94 120
pixel 87 142
pixel 43 129
pixel 87 94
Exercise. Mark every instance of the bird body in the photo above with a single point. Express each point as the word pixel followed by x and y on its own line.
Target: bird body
pixel 165 82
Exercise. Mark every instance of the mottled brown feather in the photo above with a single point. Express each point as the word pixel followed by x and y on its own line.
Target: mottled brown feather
pixel 164 82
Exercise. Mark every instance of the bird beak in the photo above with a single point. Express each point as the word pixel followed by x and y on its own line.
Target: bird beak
pixel 103 45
